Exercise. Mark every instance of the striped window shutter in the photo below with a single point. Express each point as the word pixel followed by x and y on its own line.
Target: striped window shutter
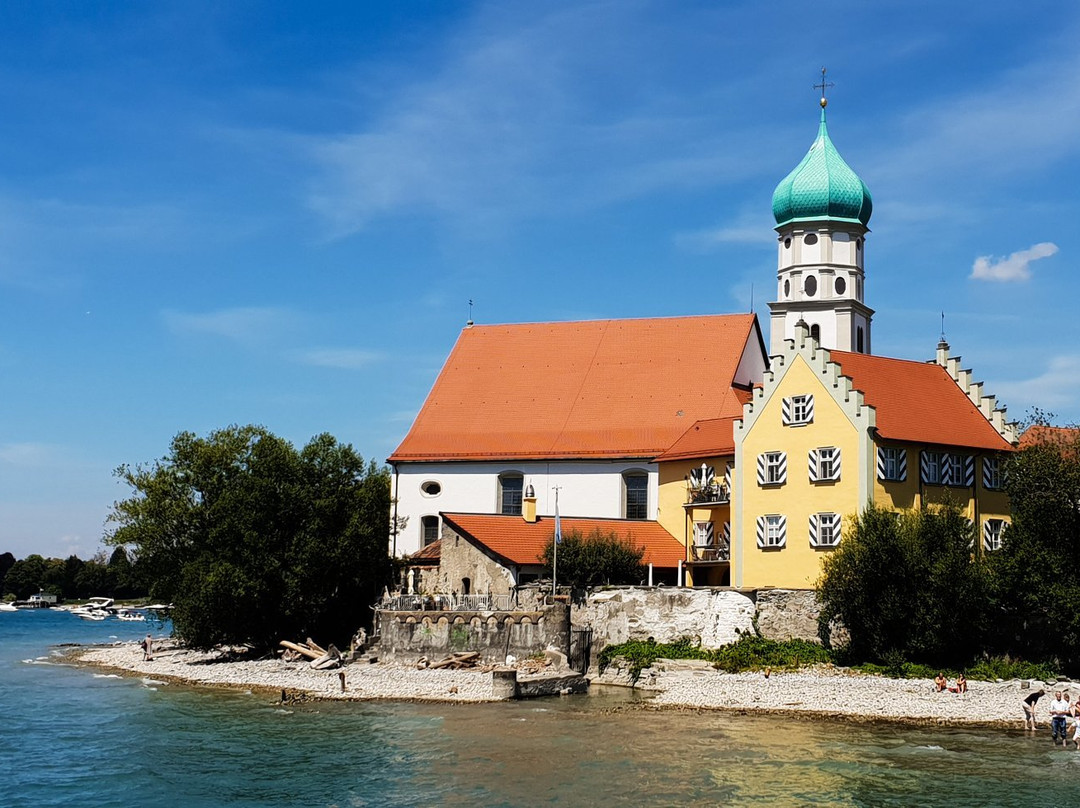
pixel 881 463
pixel 727 476
pixel 761 463
pixel 812 463
pixel 988 535
pixel 901 455
pixel 727 533
pixel 924 466
pixel 809 409
pixel 969 470
pixel 782 478
pixel 785 411
pixel 782 532
pixel 815 521
pixel 761 532
pixel 835 476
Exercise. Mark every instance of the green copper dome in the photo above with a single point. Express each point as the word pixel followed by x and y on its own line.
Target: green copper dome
pixel 822 186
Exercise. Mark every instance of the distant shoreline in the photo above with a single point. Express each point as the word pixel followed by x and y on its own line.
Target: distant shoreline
pixel 832 694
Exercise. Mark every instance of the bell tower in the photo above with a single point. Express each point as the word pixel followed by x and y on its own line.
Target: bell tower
pixel 822 209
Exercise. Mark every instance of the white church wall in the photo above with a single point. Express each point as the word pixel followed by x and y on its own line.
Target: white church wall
pixel 587 488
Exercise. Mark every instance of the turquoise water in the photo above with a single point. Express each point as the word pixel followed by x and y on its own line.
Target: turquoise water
pixel 73 737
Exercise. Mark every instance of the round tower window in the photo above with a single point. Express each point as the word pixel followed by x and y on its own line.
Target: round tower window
pixel 810 286
pixel 810 239
pixel 841 286
pixel 431 488
pixel 787 288
pixel 787 242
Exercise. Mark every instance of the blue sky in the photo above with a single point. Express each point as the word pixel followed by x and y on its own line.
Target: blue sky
pixel 276 213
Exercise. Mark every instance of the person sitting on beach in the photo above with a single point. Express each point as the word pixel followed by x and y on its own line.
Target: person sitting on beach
pixel 940 682
pixel 961 685
pixel 1059 709
pixel 1029 707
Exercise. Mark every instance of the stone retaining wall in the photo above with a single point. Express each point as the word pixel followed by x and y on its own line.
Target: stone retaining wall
pixel 406 636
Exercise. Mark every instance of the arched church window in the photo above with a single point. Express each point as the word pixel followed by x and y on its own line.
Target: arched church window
pixel 841 286
pixel 859 339
pixel 810 238
pixel 636 495
pixel 810 285
pixel 511 488
pixel 787 288
pixel 815 332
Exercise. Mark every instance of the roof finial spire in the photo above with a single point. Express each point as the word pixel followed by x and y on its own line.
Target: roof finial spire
pixel 469 322
pixel 823 86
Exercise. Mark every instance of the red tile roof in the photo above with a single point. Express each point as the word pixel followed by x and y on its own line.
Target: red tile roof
pixel 709 438
pixel 430 553
pixel 1064 436
pixel 522 542
pixel 596 389
pixel 919 402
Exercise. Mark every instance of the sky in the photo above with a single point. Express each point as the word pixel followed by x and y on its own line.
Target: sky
pixel 277 213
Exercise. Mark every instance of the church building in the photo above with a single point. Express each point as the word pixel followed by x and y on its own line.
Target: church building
pixel 731 465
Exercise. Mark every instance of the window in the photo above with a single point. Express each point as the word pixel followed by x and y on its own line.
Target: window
pixel 824 529
pixel 511 487
pixel 891 464
pixel 787 287
pixel 797 410
pixel 945 468
pixel 810 285
pixel 840 286
pixel 993 478
pixel 636 486
pixel 787 243
pixel 858 340
pixel 431 489
pixel 771 531
pixel 815 332
pixel 824 464
pixel 772 468
pixel 811 239
pixel 429 526
pixel 992 533
pixel 704 534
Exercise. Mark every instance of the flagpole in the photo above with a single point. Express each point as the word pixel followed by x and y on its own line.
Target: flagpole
pixel 555 543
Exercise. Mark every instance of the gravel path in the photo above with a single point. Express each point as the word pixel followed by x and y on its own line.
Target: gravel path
pixel 839 692
pixel 362 681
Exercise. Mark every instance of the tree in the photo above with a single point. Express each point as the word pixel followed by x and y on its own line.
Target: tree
pixel 7 560
pixel 596 558
pixel 1035 573
pixel 907 584
pixel 253 541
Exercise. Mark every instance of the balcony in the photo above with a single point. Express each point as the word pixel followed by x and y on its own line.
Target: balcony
pixel 711 553
pixel 715 493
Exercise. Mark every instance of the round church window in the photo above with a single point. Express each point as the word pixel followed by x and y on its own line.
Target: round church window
pixel 810 286
pixel 810 239
pixel 841 286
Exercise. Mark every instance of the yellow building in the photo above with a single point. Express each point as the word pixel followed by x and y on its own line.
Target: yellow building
pixel 830 432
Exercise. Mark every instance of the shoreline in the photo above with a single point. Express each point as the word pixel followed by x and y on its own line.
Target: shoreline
pixel 830 694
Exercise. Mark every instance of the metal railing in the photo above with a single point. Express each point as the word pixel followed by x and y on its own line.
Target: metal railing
pixel 716 493
pixel 711 552
pixel 447 603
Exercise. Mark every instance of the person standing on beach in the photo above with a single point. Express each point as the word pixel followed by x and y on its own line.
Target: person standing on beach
pixel 1029 708
pixel 1059 708
pixel 148 649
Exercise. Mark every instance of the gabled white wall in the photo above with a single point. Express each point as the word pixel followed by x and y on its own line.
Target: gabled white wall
pixel 587 488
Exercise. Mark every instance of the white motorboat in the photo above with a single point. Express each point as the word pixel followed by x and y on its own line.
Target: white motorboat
pixel 90 614
pixel 94 609
pixel 8 607
pixel 131 616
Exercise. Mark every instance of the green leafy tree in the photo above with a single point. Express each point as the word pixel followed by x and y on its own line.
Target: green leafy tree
pixel 254 541
pixel 907 584
pixel 1036 573
pixel 7 560
pixel 26 576
pixel 596 558
pixel 95 580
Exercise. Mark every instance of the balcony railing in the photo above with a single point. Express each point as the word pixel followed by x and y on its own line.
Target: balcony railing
pixel 714 494
pixel 711 552
pixel 447 603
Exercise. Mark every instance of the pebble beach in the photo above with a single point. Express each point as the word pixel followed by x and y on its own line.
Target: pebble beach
pixel 825 692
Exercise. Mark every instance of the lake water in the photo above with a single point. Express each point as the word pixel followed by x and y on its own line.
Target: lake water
pixel 73 737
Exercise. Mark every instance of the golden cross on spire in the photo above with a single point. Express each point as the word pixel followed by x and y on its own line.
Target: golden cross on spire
pixel 823 86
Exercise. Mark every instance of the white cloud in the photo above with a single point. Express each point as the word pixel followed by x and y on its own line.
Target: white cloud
pixel 344 358
pixel 30 454
pixel 1017 267
pixel 1056 389
pixel 245 325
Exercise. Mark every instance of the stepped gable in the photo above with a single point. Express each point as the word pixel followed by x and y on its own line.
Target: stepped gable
pixel 919 402
pixel 521 542
pixel 593 389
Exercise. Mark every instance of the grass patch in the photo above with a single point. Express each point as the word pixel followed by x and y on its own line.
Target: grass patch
pixel 984 670
pixel 749 653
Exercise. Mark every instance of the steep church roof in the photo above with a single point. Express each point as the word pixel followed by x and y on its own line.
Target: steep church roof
pixel 822 187
pixel 918 402
pixel 592 389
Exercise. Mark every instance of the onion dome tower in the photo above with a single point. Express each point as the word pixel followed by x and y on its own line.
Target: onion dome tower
pixel 822 209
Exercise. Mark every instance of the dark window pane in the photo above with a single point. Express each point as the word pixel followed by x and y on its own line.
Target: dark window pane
pixel 431 529
pixel 637 496
pixel 512 488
